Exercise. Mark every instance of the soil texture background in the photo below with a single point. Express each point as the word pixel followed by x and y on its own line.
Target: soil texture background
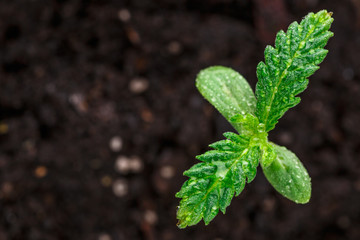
pixel 99 117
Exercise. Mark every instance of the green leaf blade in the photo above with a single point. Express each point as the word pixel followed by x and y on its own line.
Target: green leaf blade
pixel 239 139
pixel 226 197
pixel 227 91
pixel 201 170
pixel 288 176
pixel 212 200
pixel 227 145
pixel 214 155
pixel 284 73
pixel 268 155
pixel 214 182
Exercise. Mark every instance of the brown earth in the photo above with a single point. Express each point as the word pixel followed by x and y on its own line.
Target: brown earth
pixel 99 117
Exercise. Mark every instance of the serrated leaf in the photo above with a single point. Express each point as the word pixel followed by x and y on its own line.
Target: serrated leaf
pixel 284 73
pixel 227 91
pixel 214 155
pixel 227 145
pixel 212 205
pixel 240 139
pixel 214 182
pixel 201 170
pixel 288 176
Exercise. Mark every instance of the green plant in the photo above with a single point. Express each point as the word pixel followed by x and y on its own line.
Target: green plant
pixel 223 171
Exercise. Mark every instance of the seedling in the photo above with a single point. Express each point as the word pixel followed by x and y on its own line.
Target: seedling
pixel 223 171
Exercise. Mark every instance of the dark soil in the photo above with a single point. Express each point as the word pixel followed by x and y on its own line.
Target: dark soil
pixel 99 117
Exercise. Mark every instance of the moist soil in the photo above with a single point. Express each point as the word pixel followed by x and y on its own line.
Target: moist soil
pixel 99 117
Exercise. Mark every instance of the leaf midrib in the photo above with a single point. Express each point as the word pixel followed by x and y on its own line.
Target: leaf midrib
pixel 219 179
pixel 284 72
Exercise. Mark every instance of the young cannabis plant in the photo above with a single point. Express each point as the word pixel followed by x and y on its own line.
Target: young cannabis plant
pixel 223 171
